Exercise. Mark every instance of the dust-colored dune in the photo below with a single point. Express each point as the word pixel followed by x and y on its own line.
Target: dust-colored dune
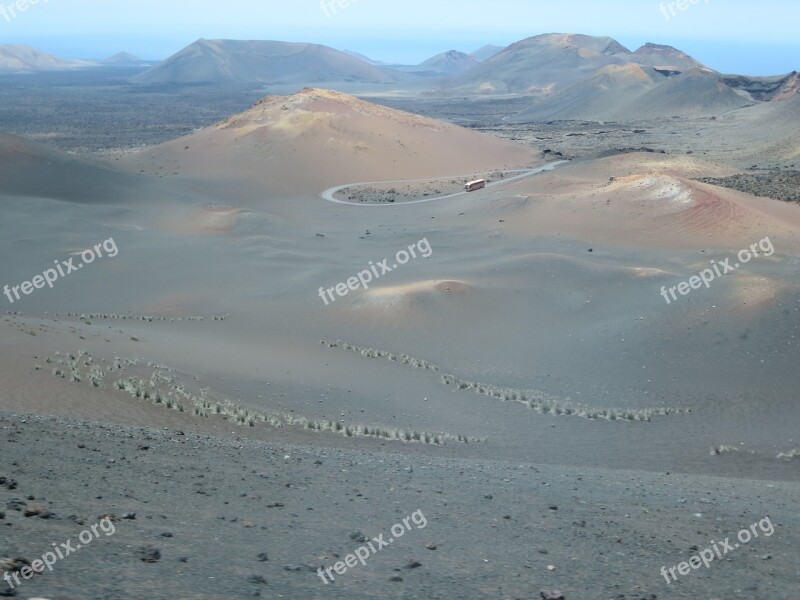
pixel 33 169
pixel 396 299
pixel 304 143
pixel 651 201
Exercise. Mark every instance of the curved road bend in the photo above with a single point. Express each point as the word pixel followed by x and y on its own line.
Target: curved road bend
pixel 329 193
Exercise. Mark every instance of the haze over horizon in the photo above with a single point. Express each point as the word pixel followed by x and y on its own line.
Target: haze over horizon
pixel 739 37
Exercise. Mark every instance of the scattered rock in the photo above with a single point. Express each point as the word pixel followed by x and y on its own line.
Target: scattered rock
pixel 16 504
pixel 359 537
pixel 263 557
pixel 413 564
pixel 552 595
pixel 258 579
pixel 34 511
pixel 149 554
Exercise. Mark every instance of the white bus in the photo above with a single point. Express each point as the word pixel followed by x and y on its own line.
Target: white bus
pixel 478 184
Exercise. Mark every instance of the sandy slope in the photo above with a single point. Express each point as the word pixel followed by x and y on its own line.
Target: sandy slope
pixel 654 202
pixel 241 518
pixel 509 322
pixel 304 143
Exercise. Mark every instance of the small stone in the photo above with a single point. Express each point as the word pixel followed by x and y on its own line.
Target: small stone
pixel 413 564
pixel 552 595
pixel 258 579
pixel 551 568
pixel 262 557
pixel 431 546
pixel 359 537
pixel 149 554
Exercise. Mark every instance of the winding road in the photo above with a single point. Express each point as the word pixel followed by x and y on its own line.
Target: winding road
pixel 330 192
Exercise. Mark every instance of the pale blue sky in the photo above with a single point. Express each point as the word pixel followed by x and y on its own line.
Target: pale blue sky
pixel 742 36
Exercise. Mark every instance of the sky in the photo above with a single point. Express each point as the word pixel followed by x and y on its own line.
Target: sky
pixel 732 36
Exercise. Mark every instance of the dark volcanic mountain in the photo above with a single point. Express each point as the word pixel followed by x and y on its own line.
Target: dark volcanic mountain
pixel 486 52
pixel 19 58
pixel 451 63
pixel 236 61
pixel 637 92
pixel 548 62
pixel 123 59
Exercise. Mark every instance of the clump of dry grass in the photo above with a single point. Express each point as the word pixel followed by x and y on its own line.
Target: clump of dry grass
pixel 794 453
pixel 726 449
pixel 405 359
pixel 540 401
pixel 164 389
pixel 86 317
